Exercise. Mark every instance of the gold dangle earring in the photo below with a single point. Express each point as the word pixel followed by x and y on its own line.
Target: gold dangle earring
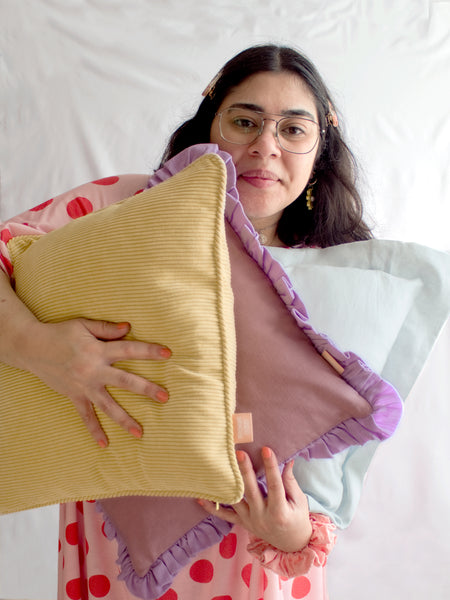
pixel 309 195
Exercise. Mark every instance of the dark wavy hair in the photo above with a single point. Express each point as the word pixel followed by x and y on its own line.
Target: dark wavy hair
pixel 337 214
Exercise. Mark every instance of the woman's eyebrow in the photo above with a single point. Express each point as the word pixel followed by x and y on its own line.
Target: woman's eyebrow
pixel 291 112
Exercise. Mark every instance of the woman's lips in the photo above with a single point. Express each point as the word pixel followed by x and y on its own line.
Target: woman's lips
pixel 260 178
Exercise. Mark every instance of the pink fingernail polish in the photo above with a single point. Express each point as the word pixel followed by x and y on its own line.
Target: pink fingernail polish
pixel 266 452
pixel 162 396
pixel 102 443
pixel 137 433
pixel 122 325
pixel 240 456
pixel 165 352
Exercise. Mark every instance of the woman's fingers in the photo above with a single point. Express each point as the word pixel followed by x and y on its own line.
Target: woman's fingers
pixel 276 494
pixel 226 514
pixel 116 351
pixel 282 518
pixel 105 330
pixel 134 350
pixel 251 506
pixel 104 402
pixel 118 378
pixel 88 416
pixel 294 493
pixel 254 499
pixel 79 364
pixel 125 349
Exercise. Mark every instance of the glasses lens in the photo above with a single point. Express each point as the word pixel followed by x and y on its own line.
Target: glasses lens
pixel 297 134
pixel 294 134
pixel 240 126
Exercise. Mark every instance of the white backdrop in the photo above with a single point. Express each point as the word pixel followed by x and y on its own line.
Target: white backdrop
pixel 91 88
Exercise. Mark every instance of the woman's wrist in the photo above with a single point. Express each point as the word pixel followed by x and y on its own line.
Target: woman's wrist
pixel 293 564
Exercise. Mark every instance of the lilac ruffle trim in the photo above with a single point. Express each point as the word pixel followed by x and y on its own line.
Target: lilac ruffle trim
pixel 384 400
pixel 162 572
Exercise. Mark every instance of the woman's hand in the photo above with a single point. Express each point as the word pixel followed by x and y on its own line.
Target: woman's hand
pixel 281 518
pixel 75 358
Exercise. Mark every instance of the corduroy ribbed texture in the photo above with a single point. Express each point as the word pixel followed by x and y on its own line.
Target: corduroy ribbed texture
pixel 158 260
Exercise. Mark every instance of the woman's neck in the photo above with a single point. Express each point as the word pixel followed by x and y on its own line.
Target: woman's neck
pixel 267 234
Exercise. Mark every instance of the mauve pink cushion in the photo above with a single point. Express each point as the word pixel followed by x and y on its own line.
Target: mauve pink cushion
pixel 300 405
pixel 293 393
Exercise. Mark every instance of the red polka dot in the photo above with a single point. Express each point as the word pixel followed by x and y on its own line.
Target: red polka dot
pixel 169 595
pixel 202 571
pixel 246 574
pixel 107 180
pixel 301 586
pixel 265 580
pixel 80 507
pixel 5 236
pixel 99 585
pixel 59 546
pixel 138 192
pixel 72 534
pixel 87 548
pixel 78 207
pixel 227 547
pixel 7 264
pixel 41 206
pixel 73 589
pixel 103 530
pixel 222 598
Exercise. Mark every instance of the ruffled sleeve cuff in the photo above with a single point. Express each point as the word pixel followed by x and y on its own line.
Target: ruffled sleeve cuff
pixel 293 564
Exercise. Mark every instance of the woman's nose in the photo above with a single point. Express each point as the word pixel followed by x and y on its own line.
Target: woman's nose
pixel 266 144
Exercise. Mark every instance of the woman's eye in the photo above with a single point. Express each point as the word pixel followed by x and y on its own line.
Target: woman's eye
pixel 244 123
pixel 293 130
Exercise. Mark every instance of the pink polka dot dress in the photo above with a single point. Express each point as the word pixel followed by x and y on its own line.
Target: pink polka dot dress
pixel 226 571
pixel 88 566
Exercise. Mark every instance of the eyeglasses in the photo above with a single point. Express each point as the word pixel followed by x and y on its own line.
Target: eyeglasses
pixel 295 134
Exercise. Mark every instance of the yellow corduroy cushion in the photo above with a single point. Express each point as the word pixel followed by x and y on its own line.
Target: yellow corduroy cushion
pixel 158 260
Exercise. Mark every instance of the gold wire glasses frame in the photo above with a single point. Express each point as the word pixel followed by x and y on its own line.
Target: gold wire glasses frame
pixel 295 134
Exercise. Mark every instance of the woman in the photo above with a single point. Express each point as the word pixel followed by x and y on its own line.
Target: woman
pixel 269 109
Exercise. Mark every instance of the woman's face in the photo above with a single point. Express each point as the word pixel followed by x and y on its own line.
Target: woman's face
pixel 268 177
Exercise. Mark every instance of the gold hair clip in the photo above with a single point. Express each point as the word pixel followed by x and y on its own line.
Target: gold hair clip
pixel 332 116
pixel 209 90
pixel 332 119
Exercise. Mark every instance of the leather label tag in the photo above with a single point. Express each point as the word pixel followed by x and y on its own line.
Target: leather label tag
pixel 243 428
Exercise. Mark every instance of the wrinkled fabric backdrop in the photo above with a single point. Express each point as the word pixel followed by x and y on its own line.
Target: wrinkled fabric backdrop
pixel 94 88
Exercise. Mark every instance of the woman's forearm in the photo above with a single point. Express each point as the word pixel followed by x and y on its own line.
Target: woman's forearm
pixel 17 327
